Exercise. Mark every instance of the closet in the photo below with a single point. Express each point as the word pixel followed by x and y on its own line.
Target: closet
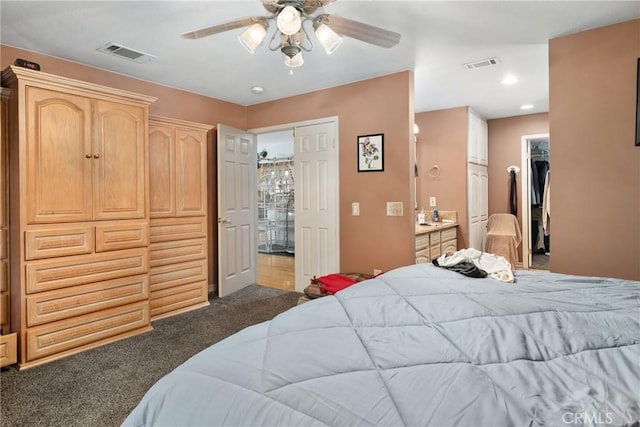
pixel 539 172
pixel 178 254
pixel 79 214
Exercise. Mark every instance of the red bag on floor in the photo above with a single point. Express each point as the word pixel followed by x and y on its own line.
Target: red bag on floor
pixel 332 283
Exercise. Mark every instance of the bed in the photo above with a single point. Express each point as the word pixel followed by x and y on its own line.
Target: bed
pixel 422 346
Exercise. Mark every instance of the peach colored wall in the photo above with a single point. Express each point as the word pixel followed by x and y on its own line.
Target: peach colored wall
pixel 595 182
pixel 171 102
pixel 505 145
pixel 442 141
pixel 379 105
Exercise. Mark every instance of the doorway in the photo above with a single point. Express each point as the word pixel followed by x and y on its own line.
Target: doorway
pixel 536 248
pixel 311 230
pixel 276 210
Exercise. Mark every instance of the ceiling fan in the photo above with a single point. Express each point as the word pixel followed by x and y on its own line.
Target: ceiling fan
pixel 291 37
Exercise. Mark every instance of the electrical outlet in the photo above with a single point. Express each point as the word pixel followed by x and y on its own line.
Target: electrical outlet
pixel 432 202
pixel 355 209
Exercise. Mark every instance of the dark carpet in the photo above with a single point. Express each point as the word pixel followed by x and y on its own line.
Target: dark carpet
pixel 101 386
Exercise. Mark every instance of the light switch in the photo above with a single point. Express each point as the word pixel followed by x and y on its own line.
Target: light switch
pixel 355 209
pixel 394 209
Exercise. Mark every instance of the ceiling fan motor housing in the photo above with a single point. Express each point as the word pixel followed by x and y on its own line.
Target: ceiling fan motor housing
pixel 290 50
pixel 305 7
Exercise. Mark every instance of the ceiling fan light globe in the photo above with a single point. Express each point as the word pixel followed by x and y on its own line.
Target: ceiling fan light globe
pixel 289 20
pixel 328 38
pixel 252 37
pixel 294 61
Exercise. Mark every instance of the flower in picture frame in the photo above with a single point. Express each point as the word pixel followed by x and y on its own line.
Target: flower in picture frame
pixel 370 152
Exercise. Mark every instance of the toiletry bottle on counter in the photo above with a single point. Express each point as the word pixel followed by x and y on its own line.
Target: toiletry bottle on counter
pixel 436 218
pixel 421 218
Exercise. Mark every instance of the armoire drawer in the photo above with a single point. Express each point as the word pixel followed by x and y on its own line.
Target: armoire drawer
pixel 170 300
pixel 4 243
pixel 125 235
pixel 166 229
pixel 169 276
pixel 448 234
pixel 47 275
pixel 177 251
pixel 58 242
pixel 61 304
pixel 8 349
pixel 79 333
pixel 4 275
pixel 4 309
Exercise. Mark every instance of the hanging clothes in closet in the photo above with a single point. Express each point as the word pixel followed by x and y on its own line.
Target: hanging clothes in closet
pixel 539 170
pixel 546 207
pixel 543 168
pixel 535 186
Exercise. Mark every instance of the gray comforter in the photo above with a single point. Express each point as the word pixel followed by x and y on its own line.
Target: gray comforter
pixel 422 346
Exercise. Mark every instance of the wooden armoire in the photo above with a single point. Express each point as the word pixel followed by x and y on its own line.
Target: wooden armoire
pixel 178 208
pixel 8 345
pixel 79 214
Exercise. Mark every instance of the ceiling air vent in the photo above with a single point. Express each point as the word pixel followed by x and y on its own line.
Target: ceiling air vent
pixel 126 53
pixel 481 64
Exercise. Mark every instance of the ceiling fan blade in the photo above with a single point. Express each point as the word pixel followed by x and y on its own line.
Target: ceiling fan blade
pixel 215 29
pixel 364 32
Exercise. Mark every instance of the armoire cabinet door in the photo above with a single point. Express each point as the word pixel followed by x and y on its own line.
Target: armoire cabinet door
pixel 191 179
pixel 60 156
pixel 119 174
pixel 162 177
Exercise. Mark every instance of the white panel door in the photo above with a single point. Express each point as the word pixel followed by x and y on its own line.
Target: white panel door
pixel 316 202
pixel 237 215
pixel 477 204
pixel 484 204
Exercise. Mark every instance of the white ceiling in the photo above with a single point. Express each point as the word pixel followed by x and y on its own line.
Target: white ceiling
pixel 437 38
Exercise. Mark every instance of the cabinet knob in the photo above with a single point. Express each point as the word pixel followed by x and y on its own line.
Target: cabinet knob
pixel 96 156
pixel 88 156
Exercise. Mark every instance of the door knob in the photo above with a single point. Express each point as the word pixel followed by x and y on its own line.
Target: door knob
pixel 224 220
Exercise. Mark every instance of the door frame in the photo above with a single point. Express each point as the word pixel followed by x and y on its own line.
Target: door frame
pixel 525 183
pixel 293 125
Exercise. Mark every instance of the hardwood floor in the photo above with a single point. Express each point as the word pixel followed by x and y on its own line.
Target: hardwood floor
pixel 276 271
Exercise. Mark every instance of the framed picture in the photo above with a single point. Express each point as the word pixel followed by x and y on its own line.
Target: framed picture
pixel 371 153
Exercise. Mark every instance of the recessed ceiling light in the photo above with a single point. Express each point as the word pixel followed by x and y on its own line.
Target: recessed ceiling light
pixel 258 90
pixel 526 106
pixel 509 80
